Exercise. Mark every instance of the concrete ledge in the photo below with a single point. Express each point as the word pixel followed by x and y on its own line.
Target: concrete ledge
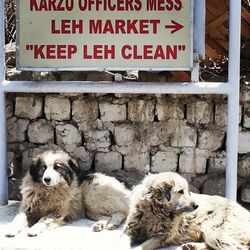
pixel 77 235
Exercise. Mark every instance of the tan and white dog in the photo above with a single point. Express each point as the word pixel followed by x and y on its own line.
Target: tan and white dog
pixel 56 191
pixel 163 212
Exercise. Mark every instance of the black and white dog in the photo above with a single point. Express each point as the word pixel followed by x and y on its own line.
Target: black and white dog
pixel 55 191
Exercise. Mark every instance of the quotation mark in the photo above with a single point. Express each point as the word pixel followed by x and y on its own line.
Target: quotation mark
pixel 181 47
pixel 29 47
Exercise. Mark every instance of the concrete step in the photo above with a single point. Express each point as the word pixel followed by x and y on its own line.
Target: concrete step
pixel 75 236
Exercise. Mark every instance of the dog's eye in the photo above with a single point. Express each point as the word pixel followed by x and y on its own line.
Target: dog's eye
pixel 42 169
pixel 181 191
pixel 57 166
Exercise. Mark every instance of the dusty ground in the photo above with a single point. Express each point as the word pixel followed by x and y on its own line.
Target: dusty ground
pixel 77 235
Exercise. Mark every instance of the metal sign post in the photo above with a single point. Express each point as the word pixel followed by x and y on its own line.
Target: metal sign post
pixel 233 98
pixel 230 88
pixel 3 141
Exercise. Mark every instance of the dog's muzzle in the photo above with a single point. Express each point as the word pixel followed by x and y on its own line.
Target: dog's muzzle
pixel 193 206
pixel 47 180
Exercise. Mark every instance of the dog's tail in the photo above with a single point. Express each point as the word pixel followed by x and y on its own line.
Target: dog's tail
pixel 218 240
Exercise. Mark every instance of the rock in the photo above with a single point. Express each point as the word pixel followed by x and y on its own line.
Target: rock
pixel 141 110
pixel 246 117
pixel 97 140
pixel 165 161
pixel 30 107
pixel 174 132
pixel 245 93
pixel 244 166
pixel 245 192
pixel 17 129
pixel 200 112
pixel 193 161
pixel 183 136
pixel 68 137
pixel 217 163
pixel 9 108
pixel 137 161
pixel 160 133
pixel 84 109
pixel 221 114
pixel 214 186
pixel 108 161
pixel 57 108
pixel 83 157
pixel 211 139
pixel 41 132
pixel 244 142
pixel 112 112
pixel 166 110
pixel 125 134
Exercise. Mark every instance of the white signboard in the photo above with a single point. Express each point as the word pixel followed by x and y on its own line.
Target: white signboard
pixel 105 34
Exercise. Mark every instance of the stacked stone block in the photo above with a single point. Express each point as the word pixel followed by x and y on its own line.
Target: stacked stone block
pixel 122 132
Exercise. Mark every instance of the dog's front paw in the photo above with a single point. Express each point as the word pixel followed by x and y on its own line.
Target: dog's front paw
pixel 112 226
pixel 186 246
pixel 11 232
pixel 194 246
pixel 99 226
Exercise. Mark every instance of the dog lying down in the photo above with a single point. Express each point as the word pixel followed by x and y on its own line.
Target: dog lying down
pixel 55 191
pixel 163 212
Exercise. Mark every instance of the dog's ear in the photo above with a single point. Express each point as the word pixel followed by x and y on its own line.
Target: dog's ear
pixel 148 196
pixel 152 192
pixel 35 162
pixel 166 191
pixel 35 170
pixel 74 166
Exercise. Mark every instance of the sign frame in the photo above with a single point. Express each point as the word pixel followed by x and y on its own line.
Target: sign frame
pixel 108 68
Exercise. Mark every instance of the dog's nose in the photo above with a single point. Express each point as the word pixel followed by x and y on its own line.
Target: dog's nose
pixel 47 180
pixel 195 206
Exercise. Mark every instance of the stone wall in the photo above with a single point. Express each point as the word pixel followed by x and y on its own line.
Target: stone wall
pixel 123 134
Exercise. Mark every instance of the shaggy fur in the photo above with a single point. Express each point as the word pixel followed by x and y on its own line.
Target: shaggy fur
pixel 55 191
pixel 163 212
pixel 106 201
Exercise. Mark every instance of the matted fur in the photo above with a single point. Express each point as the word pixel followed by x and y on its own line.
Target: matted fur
pixel 54 192
pixel 163 212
